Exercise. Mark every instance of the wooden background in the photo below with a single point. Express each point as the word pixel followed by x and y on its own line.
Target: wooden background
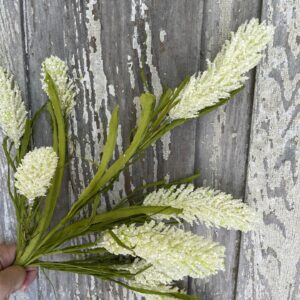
pixel 249 148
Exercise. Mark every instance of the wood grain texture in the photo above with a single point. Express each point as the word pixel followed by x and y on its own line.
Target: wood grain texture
pixel 222 141
pixel 12 54
pixel 270 257
pixel 105 44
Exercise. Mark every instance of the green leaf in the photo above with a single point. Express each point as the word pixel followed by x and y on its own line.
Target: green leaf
pixel 218 104
pixel 9 160
pixel 102 266
pixel 181 86
pixel 163 101
pixel 25 142
pixel 159 133
pixel 54 128
pixel 118 241
pixel 184 180
pixel 78 249
pixel 110 144
pixel 108 151
pixel 96 184
pixel 103 221
pixel 59 142
pixel 170 126
pixel 149 291
pixel 138 189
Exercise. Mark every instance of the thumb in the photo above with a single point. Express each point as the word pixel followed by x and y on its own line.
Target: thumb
pixel 11 279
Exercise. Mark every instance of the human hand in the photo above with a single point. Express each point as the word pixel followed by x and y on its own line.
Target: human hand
pixel 13 278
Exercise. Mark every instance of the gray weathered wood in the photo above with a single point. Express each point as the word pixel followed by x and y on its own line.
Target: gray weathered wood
pixel 222 141
pixel 270 257
pixel 12 53
pixel 105 43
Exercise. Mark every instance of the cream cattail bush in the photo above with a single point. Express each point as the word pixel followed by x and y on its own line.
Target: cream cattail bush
pixel 140 243
pixel 34 174
pixel 181 253
pixel 12 108
pixel 205 205
pixel 58 70
pixel 227 72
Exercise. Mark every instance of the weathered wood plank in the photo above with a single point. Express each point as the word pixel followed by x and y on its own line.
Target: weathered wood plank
pixel 270 257
pixel 12 55
pixel 222 141
pixel 43 23
pixel 105 43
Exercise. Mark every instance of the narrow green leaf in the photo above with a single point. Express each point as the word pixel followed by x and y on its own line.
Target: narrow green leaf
pixel 54 190
pixel 27 134
pixel 25 141
pixel 95 185
pixel 184 180
pixel 78 249
pixel 159 133
pixel 118 241
pixel 104 220
pixel 181 86
pixel 54 128
pixel 163 101
pixel 149 291
pixel 219 103
pixel 110 144
pixel 9 160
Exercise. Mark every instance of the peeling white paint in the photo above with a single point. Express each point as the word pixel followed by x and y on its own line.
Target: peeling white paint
pixel 166 142
pixel 270 259
pixel 130 70
pixel 157 87
pixel 162 35
pixel 136 101
pixel 111 90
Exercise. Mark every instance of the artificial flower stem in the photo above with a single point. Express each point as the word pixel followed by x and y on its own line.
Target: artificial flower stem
pixel 54 191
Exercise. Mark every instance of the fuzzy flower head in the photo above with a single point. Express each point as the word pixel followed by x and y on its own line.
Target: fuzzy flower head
pixel 58 70
pixel 12 108
pixel 141 270
pixel 172 252
pixel 226 73
pixel 34 175
pixel 204 205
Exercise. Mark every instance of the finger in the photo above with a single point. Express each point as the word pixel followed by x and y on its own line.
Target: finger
pixel 11 279
pixel 7 255
pixel 31 274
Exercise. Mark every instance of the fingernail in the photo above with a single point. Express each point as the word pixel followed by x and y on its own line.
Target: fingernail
pixel 23 288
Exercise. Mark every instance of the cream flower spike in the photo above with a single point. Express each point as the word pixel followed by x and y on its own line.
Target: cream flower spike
pixel 58 70
pixel 172 252
pixel 34 174
pixel 226 73
pixel 143 273
pixel 204 205
pixel 12 108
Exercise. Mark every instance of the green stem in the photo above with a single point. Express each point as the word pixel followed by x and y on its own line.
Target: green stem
pixel 59 144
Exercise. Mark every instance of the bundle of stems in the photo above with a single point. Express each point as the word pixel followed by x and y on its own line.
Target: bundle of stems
pixel 138 244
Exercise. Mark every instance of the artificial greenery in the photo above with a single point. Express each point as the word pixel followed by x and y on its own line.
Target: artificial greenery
pixel 130 234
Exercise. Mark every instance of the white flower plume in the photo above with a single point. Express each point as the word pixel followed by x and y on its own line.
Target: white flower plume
pixel 172 252
pixel 226 73
pixel 58 70
pixel 34 174
pixel 144 274
pixel 12 108
pixel 204 205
